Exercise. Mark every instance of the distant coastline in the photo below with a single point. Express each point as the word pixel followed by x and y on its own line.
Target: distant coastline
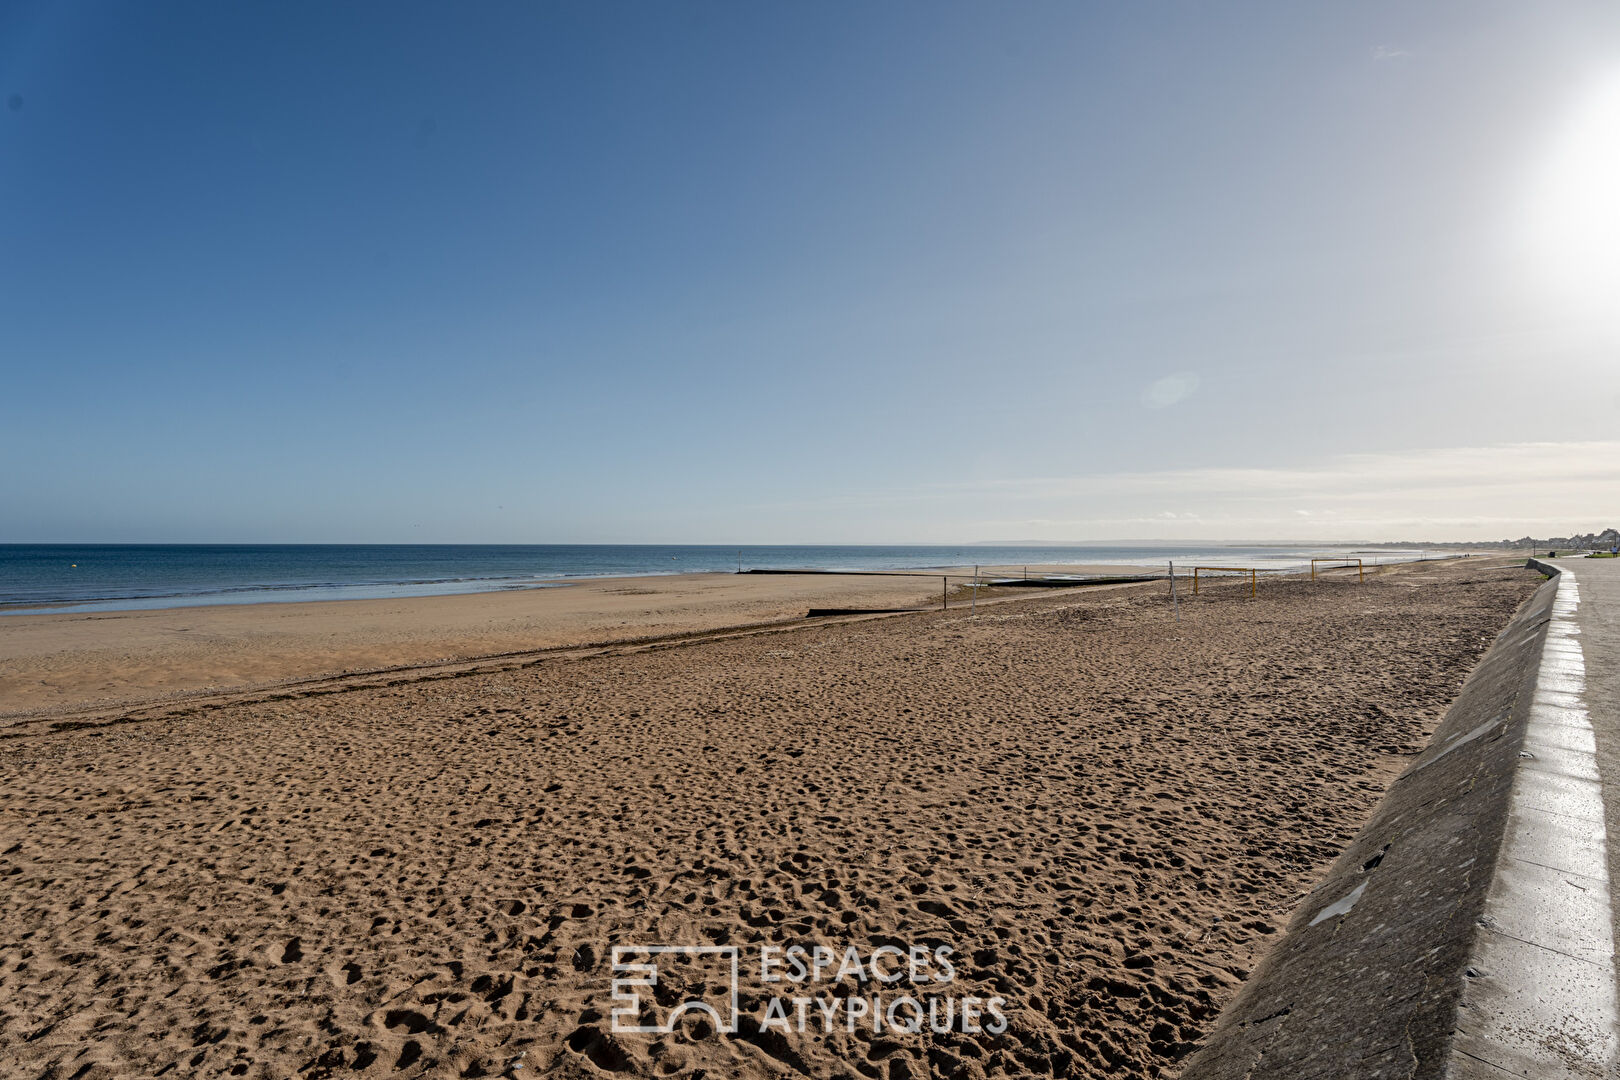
pixel 107 577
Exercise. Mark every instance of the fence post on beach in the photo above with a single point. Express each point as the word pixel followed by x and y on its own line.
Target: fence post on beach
pixel 1175 604
pixel 973 604
pixel 944 593
pixel 1252 583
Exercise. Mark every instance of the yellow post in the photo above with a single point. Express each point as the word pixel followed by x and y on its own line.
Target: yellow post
pixel 1251 583
pixel 1195 581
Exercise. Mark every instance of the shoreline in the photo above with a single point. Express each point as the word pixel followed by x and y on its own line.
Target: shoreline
pixel 473 585
pixel 179 601
pixel 69 662
pixel 57 662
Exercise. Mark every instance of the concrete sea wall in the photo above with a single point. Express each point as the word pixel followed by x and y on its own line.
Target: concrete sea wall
pixel 1466 930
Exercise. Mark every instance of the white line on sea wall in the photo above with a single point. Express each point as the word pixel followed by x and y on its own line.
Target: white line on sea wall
pixel 1540 996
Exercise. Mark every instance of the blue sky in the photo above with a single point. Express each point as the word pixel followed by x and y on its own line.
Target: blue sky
pixel 720 273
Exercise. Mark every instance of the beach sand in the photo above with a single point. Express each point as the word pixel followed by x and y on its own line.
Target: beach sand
pixel 1106 816
pixel 73 660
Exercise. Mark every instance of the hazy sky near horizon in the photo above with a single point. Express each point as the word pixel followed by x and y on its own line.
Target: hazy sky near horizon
pixel 772 273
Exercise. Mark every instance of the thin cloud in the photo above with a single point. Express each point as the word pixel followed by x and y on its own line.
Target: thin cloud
pixel 1165 392
pixel 1462 493
pixel 1388 52
pixel 1442 469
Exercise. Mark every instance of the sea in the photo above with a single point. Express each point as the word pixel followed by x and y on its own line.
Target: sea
pixel 108 577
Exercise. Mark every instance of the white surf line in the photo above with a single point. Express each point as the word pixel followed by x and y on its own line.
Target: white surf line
pixel 1540 995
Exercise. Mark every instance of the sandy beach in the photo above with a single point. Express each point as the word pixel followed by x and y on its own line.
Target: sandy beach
pixel 1105 816
pixel 74 660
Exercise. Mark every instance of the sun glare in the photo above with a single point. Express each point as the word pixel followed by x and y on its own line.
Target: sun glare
pixel 1575 219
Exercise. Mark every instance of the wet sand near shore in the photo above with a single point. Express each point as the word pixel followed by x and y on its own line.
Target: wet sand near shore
pixel 1106 816
pixel 70 660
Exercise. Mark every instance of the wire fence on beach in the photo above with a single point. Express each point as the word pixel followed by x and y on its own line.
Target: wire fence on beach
pixel 1058 577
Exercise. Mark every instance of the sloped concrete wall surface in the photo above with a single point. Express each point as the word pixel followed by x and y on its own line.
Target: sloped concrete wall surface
pixel 1465 932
